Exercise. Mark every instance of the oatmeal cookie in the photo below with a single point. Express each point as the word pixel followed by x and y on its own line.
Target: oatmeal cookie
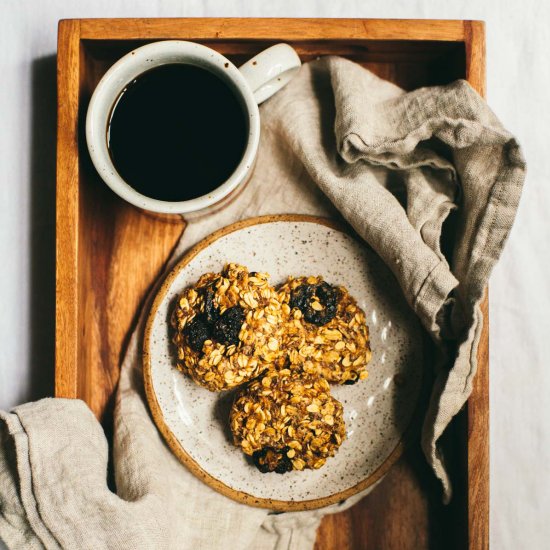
pixel 286 420
pixel 325 330
pixel 228 328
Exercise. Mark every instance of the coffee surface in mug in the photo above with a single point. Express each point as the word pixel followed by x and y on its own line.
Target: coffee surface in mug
pixel 177 132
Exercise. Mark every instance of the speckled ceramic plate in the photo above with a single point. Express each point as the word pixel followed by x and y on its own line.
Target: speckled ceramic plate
pixel 378 411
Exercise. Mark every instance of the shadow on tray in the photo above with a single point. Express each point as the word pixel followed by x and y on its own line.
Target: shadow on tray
pixel 42 227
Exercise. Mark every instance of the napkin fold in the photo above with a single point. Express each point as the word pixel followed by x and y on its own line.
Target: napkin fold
pixel 429 179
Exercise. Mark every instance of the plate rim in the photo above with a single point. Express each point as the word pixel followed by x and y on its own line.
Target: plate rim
pixel 171 439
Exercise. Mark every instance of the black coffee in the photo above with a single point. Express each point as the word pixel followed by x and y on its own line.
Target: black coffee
pixel 177 132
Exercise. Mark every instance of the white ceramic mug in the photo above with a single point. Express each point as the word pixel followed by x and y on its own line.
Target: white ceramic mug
pixel 254 82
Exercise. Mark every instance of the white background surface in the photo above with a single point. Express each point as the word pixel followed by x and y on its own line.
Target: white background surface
pixel 518 76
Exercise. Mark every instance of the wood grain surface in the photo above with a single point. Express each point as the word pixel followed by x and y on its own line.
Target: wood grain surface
pixel 274 29
pixel 109 253
pixel 67 210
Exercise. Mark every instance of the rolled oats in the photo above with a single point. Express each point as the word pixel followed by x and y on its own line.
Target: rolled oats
pixel 233 329
pixel 298 436
pixel 338 350
pixel 228 328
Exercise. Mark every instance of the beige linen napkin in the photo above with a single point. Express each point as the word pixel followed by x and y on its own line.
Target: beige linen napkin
pixel 336 141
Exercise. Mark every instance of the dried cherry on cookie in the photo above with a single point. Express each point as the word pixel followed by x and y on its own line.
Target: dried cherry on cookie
pixel 303 296
pixel 210 307
pixel 269 459
pixel 210 325
pixel 197 331
pixel 227 327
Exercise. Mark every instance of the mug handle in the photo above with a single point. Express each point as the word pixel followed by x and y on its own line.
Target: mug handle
pixel 270 70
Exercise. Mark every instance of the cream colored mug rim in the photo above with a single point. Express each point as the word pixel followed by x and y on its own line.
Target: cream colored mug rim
pixel 131 66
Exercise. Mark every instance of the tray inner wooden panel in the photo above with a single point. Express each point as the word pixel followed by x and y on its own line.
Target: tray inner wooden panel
pixel 122 250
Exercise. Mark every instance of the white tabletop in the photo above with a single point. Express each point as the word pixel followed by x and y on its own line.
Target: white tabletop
pixel 518 73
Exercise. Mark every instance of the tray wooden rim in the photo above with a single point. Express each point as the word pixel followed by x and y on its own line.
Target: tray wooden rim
pixel 174 444
pixel 71 37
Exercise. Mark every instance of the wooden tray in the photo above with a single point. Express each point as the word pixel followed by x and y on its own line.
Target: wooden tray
pixel 108 253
